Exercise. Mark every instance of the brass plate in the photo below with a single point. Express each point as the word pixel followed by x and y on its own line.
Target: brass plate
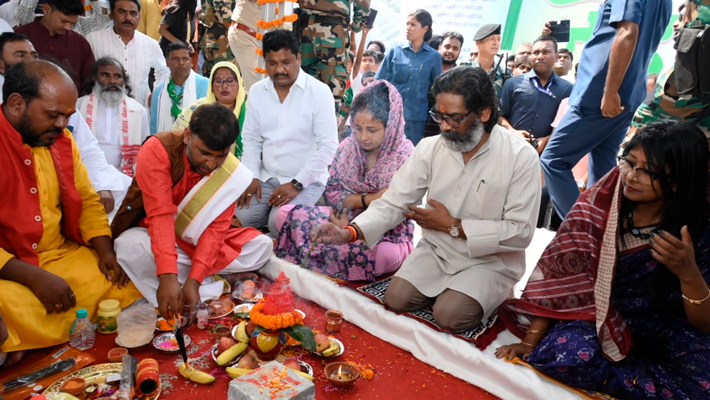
pixel 93 374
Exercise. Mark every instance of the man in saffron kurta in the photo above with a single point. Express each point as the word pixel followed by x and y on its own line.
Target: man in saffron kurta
pixel 185 190
pixel 55 241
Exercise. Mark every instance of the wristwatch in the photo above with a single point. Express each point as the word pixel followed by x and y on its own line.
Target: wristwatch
pixel 454 231
pixel 298 185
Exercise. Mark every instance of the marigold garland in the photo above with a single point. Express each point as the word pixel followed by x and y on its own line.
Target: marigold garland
pixel 277 22
pixel 259 36
pixel 260 70
pixel 260 52
pixel 274 322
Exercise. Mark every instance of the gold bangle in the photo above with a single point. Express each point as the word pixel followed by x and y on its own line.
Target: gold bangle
pixel 534 331
pixel 524 343
pixel 697 302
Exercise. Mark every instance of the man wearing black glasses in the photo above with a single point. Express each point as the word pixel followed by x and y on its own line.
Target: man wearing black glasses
pixel 483 190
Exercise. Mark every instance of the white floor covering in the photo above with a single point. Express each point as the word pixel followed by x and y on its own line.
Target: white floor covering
pixel 440 350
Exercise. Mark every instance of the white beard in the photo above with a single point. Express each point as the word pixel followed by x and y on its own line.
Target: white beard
pixel 111 98
pixel 464 143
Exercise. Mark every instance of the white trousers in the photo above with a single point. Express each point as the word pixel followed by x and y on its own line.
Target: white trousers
pixel 134 253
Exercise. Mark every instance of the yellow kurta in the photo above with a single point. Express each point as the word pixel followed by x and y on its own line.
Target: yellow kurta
pixel 29 325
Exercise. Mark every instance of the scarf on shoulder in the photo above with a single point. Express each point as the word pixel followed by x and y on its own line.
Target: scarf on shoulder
pixel 573 278
pixel 350 163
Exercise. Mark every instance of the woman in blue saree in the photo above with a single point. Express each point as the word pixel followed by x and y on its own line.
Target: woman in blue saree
pixel 619 301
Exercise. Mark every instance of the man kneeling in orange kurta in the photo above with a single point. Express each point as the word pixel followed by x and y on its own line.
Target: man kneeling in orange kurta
pixel 55 242
pixel 184 193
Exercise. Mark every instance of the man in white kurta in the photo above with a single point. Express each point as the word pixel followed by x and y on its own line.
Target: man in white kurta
pixel 483 189
pixel 119 123
pixel 136 51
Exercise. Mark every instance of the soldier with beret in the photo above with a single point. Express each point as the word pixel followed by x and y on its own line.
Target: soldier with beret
pixel 487 40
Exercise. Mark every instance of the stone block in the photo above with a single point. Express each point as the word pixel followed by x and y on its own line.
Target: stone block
pixel 272 380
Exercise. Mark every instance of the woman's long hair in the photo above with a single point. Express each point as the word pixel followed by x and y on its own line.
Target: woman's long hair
pixel 679 154
pixel 424 18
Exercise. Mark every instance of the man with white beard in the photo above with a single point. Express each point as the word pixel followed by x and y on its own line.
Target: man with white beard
pixel 483 187
pixel 119 123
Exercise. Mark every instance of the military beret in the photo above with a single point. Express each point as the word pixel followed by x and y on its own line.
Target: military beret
pixel 487 30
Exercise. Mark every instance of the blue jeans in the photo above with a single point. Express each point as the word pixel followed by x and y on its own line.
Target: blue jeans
pixel 582 130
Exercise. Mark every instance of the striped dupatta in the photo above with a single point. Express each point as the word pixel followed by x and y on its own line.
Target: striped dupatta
pixel 573 278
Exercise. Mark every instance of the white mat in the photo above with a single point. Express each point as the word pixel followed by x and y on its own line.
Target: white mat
pixel 440 350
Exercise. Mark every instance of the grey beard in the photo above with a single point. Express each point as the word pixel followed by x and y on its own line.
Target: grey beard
pixel 111 98
pixel 464 143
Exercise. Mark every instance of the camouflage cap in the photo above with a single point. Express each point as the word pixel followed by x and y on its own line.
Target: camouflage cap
pixel 487 30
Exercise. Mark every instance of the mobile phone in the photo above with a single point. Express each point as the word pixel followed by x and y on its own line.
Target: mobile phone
pixel 560 30
pixel 371 18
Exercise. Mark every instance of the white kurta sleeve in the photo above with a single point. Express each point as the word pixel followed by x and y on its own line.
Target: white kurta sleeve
pixel 522 203
pixel 408 186
pixel 102 175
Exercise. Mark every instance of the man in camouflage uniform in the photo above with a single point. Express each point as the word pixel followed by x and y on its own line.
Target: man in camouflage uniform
pixel 325 38
pixel 667 103
pixel 487 40
pixel 216 18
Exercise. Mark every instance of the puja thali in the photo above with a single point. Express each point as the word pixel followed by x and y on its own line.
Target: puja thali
pixel 94 375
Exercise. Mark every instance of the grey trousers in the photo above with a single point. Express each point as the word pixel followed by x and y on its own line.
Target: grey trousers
pixel 261 214
pixel 453 310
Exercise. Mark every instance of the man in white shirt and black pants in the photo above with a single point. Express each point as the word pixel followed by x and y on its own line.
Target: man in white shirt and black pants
pixel 290 135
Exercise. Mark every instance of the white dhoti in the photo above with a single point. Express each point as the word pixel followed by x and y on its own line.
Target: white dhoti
pixel 134 253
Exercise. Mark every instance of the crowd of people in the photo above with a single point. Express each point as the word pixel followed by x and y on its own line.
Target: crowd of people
pixel 149 161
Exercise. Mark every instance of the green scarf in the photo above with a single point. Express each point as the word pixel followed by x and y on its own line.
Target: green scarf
pixel 175 99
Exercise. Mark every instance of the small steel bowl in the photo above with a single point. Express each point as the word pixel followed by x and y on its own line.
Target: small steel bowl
pixel 164 337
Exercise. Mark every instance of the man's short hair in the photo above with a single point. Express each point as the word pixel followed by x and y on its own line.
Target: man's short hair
pixel 25 79
pixel 215 125
pixel 474 84
pixel 452 35
pixel 374 54
pixel 102 62
pixel 9 37
pixel 67 7
pixel 546 38
pixel 522 60
pixel 177 46
pixel 112 4
pixel 280 39
pixel 565 50
pixel 435 41
pixel 378 44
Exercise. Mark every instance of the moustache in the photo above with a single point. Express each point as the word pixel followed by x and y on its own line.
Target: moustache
pixel 111 87
pixel 280 75
pixel 127 23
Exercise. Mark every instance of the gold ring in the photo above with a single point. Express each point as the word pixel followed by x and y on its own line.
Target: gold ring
pixel 72 296
pixel 248 194
pixel 278 196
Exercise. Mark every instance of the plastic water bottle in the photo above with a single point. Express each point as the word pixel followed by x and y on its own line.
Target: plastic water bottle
pixel 203 312
pixel 81 334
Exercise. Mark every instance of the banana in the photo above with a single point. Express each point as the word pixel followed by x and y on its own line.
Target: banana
pixel 195 375
pixel 332 350
pixel 229 354
pixel 237 372
pixel 303 374
pixel 242 332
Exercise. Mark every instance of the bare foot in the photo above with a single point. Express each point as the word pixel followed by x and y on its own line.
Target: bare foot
pixel 13 358
pixel 236 277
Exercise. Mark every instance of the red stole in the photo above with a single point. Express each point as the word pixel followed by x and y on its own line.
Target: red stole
pixel 21 226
